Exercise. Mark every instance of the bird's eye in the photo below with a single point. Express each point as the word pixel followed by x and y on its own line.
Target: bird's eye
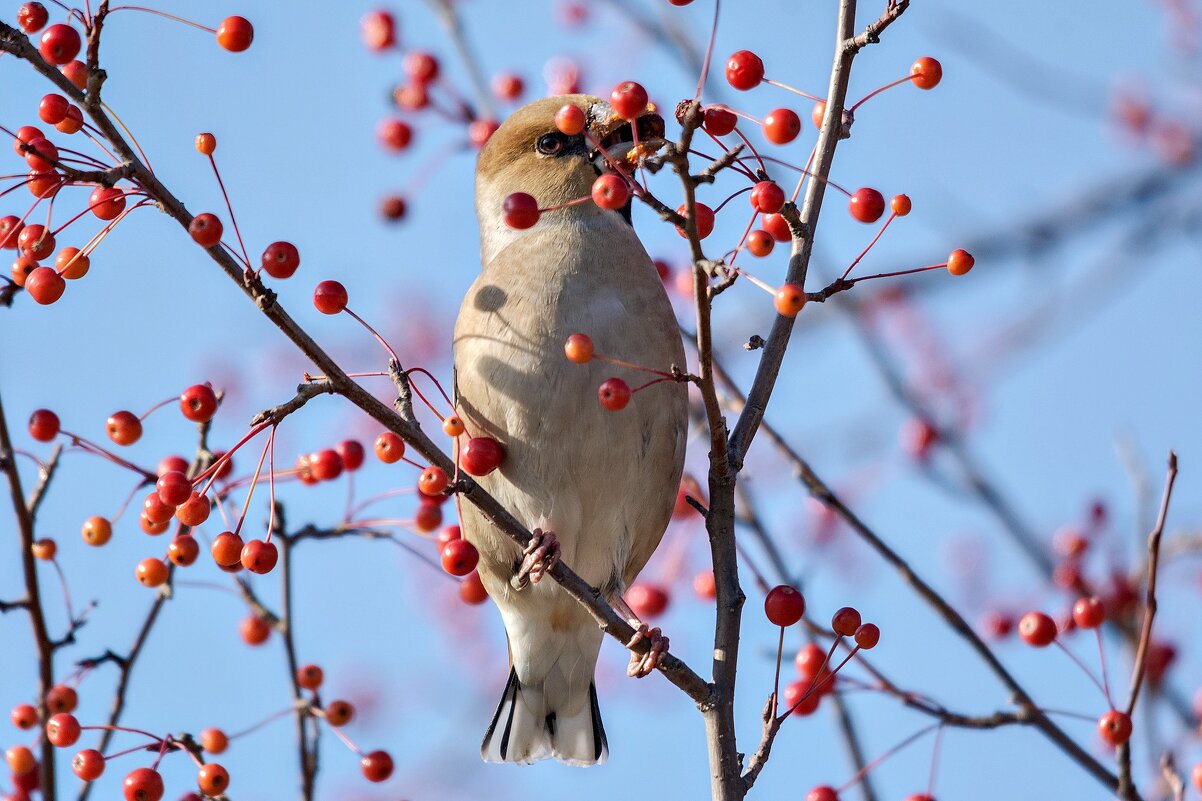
pixel 550 144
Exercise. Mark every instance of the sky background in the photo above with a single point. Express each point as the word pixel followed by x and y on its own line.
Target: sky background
pixel 1062 359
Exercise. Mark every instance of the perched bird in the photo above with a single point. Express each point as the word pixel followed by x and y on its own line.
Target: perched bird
pixel 597 487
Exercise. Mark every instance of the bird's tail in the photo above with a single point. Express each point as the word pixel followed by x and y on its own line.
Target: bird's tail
pixel 527 728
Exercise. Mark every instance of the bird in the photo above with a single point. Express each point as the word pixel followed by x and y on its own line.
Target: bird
pixel 596 487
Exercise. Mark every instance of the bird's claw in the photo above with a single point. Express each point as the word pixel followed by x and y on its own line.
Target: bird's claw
pixel 540 555
pixel 641 665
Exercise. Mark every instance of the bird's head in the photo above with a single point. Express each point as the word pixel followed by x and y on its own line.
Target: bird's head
pixel 528 153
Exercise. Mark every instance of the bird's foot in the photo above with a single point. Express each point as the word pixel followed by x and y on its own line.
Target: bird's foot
pixel 540 555
pixel 641 665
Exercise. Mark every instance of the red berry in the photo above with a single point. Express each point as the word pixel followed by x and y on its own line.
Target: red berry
pixel 43 425
pixel 411 97
pixel 570 120
pixel 647 600
pixel 960 262
pixel 800 698
pixel 1088 613
pixel 97 531
pixel 520 210
pixel 143 784
pixel 212 779
pixel 376 766
pixel 867 636
pixel 152 572
pixel 810 661
pixel 389 447
pixel 926 72
pixel 259 556
pixel 790 299
pixel 198 403
pixel 309 677
pixel 193 511
pixel 281 259
pixel 508 86
pixel 352 453
pixel 433 481
pixel 629 100
pixel 53 108
pixel 1037 629
pixel 63 730
pixel 781 126
pixel 88 764
pixel 339 713
pixel 226 549
pixel 614 395
pixel 578 348
pixel 77 73
pixel 45 285
pixel 36 240
pixel 20 760
pixel 760 243
pixel 610 191
pixel 1115 727
pixel 918 437
pixel 62 698
pixel 767 197
pixel 71 263
pixel 480 131
pixel 183 550
pixel 254 630
pixel 481 455
pixel 40 155
pixel 394 134
pixel 330 297
pixel 784 605
pixel 744 70
pixel 205 230
pixel 818 114
pixel 10 230
pixel 705 220
pixel 206 143
pixel 32 16
pixel 107 203
pixel 59 44
pixel 471 589
pixel 378 29
pixel 900 205
pixel 72 122
pixel 421 66
pixel 846 621
pixel 866 205
pixel 428 516
pixel 326 464
pixel 393 208
pixel 459 557
pixel 124 428
pixel 704 586
pixel 719 121
pixel 44 549
pixel 173 488
pixel 235 34
pixel 777 227
pixel 24 716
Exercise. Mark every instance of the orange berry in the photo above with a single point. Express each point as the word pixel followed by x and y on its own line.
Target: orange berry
pixel 212 779
pixel 453 426
pixel 900 205
pixel 960 262
pixel 214 741
pixel 926 73
pixel 579 348
pixel 44 550
pixel 152 572
pixel 339 713
pixel 206 143
pixel 790 298
pixel 309 677
pixel 254 630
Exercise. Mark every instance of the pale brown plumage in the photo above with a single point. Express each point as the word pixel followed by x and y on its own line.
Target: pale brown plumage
pixel 604 482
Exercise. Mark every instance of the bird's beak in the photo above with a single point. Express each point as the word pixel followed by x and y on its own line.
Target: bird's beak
pixel 616 135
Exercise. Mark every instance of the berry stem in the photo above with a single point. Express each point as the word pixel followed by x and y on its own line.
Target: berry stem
pixel 864 771
pixel 788 88
pixel 876 92
pixel 732 197
pixel 130 133
pixel 265 721
pixel 164 14
pixel 780 648
pixel 271 483
pixel 62 581
pixel 632 366
pixel 709 53
pixel 854 281
pixel 230 208
pixel 362 505
pixel 96 450
pixel 1102 660
pixel 1101 687
pixel 157 406
pixel 864 252
pixel 250 492
pixel 373 332
pixel 436 383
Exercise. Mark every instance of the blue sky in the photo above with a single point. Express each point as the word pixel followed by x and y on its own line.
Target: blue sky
pixel 1018 129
